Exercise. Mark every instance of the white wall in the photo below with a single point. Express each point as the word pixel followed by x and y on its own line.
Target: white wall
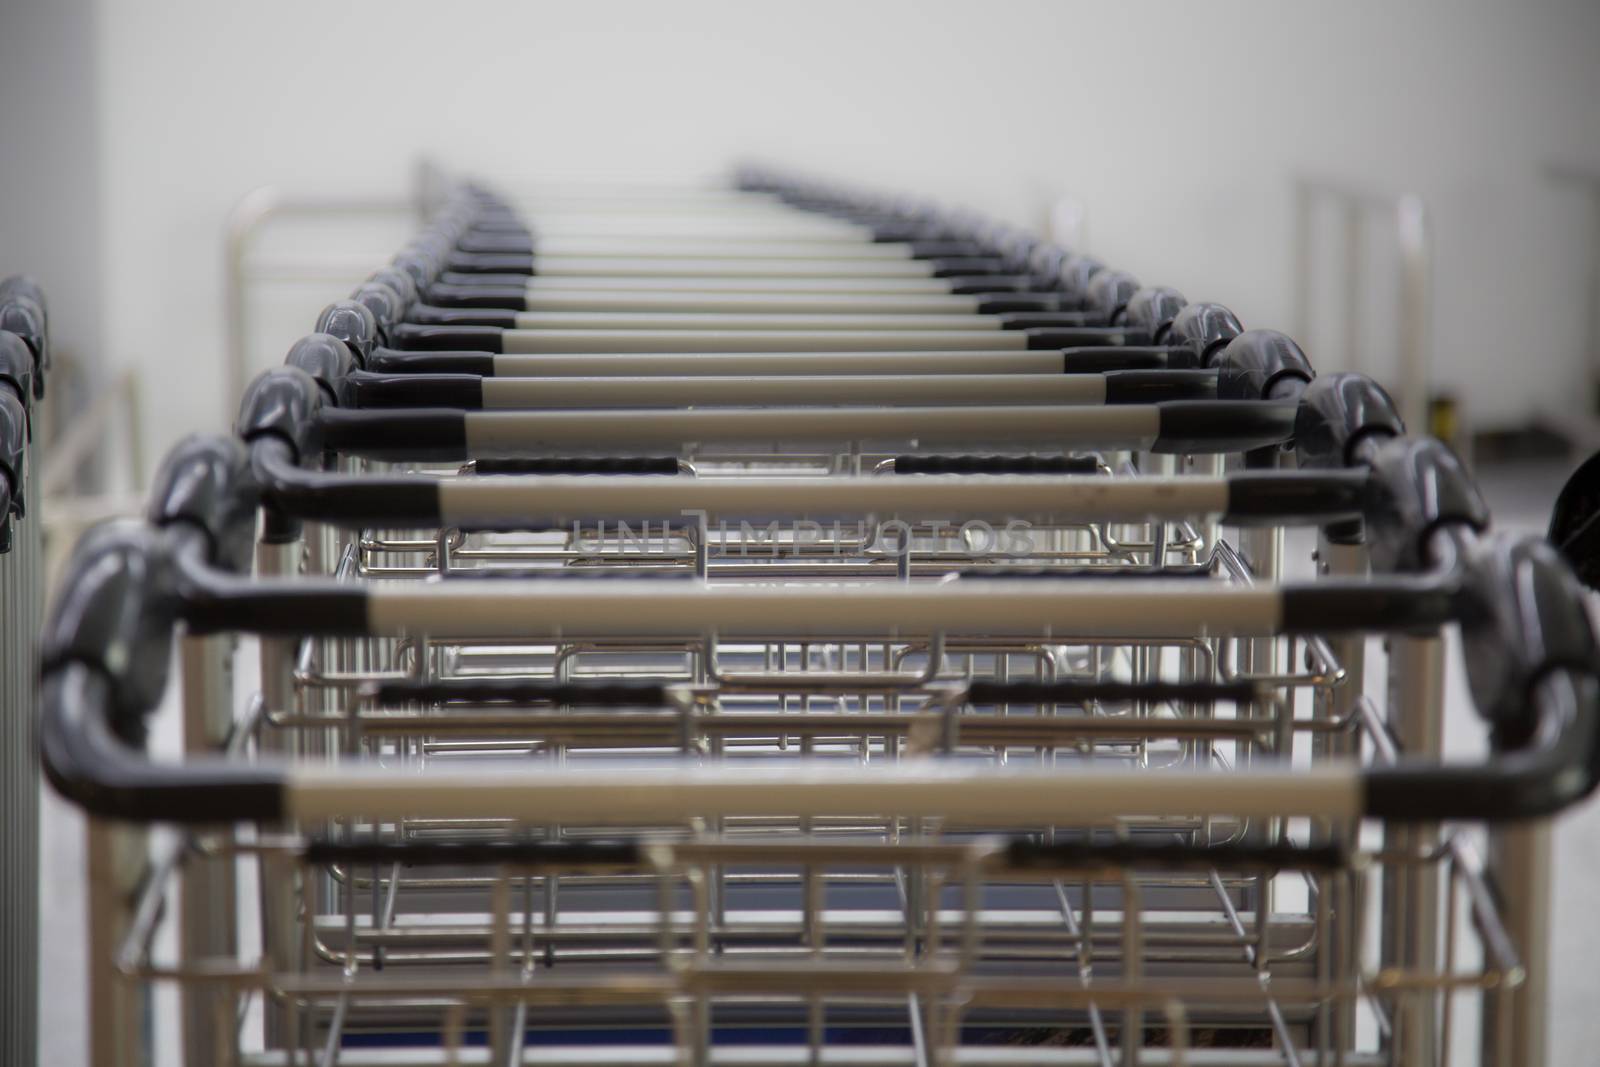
pixel 1178 125
pixel 50 163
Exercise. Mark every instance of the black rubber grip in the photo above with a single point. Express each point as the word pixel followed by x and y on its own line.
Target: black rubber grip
pixel 961 266
pixel 978 284
pixel 360 501
pixel 996 465
pixel 1079 691
pixel 996 305
pixel 390 361
pixel 1113 357
pixel 1296 496
pixel 414 337
pixel 478 296
pixel 1222 425
pixel 1393 605
pixel 1161 855
pixel 497 242
pixel 485 280
pixel 1156 386
pixel 427 315
pixel 592 691
pixel 1045 320
pixel 1091 573
pixel 330 609
pixel 412 434
pixel 364 389
pixel 490 263
pixel 657 465
pixel 1047 337
pixel 553 855
pixel 945 248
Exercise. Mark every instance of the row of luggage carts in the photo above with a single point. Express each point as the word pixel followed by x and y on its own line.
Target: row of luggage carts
pixel 24 360
pixel 789 624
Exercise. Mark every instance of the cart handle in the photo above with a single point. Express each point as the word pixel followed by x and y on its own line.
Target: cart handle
pixel 1534 674
pixel 514 495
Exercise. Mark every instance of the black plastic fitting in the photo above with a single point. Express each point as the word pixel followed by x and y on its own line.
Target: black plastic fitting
pixel 386 305
pixel 1262 365
pixel 328 360
pixel 1340 415
pixel 1108 294
pixel 17 367
pixel 24 317
pixel 1073 276
pixel 13 459
pixel 1204 328
pixel 352 323
pixel 283 402
pixel 205 482
pixel 1418 486
pixel 20 285
pixel 1152 309
pixel 115 614
pixel 397 280
pixel 419 266
pixel 996 464
pixel 1528 619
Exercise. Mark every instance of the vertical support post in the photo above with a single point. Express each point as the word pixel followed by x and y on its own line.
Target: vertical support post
pixel 1410 893
pixel 118 862
pixel 208 889
pixel 1519 874
pixel 279 939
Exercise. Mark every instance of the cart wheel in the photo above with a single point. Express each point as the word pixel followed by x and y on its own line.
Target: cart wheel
pixel 1575 521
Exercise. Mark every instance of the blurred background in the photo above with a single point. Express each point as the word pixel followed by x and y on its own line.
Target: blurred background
pixel 1178 134
pixel 1412 189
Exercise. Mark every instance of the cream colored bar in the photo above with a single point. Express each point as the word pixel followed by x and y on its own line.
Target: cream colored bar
pixel 737 283
pixel 505 433
pixel 777 363
pixel 589 266
pixel 719 321
pixel 889 390
pixel 712 248
pixel 576 342
pixel 953 499
pixel 882 610
pixel 946 305
pixel 961 795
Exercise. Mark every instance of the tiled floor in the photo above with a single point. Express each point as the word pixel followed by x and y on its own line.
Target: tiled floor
pixel 1520 497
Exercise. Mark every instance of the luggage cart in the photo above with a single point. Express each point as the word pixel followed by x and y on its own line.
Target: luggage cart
pixel 828 771
pixel 24 356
